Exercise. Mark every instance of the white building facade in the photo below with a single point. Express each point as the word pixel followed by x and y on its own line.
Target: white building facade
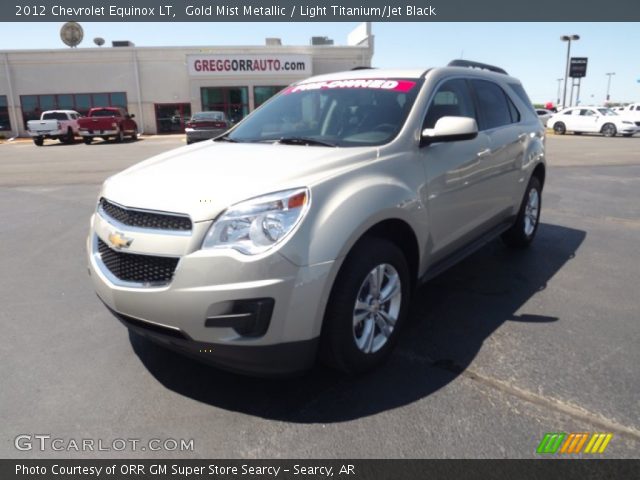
pixel 163 86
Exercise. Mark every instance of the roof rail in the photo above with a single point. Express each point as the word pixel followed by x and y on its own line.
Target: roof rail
pixel 470 64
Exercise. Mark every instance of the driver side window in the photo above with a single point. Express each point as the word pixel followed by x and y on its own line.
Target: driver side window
pixel 452 98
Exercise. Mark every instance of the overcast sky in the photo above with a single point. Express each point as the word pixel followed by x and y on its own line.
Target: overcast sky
pixel 532 52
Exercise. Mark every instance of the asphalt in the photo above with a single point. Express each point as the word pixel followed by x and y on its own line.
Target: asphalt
pixel 501 349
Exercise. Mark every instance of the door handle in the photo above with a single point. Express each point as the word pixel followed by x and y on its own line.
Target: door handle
pixel 484 153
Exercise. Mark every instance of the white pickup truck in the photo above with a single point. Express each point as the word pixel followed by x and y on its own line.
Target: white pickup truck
pixel 55 124
pixel 631 112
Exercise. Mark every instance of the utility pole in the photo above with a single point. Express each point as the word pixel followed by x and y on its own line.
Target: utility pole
pixel 609 74
pixel 568 39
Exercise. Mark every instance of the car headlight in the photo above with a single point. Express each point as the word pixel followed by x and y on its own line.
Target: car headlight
pixel 256 225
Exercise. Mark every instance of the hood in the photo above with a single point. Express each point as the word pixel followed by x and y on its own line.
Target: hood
pixel 204 179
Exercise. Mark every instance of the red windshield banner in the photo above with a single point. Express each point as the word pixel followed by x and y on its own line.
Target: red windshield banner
pixel 375 84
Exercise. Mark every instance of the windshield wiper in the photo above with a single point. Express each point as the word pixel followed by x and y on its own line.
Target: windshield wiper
pixel 304 141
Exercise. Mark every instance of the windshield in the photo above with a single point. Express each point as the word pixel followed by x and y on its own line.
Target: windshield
pixel 345 113
pixel 607 112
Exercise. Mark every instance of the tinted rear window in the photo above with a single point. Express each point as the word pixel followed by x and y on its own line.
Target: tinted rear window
pixel 494 106
pixel 522 95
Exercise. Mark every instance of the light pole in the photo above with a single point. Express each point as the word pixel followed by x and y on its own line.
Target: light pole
pixel 609 74
pixel 567 38
pixel 559 85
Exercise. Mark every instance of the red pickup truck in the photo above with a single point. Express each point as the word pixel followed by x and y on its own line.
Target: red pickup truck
pixel 107 122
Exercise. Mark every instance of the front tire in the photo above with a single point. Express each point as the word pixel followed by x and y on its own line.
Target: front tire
pixel 609 130
pixel 120 136
pixel 39 141
pixel 523 231
pixel 134 135
pixel 367 307
pixel 559 128
pixel 87 140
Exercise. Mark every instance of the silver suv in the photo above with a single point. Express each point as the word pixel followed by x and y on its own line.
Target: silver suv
pixel 304 230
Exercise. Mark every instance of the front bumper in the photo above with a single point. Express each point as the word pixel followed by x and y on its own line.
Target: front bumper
pixel 204 283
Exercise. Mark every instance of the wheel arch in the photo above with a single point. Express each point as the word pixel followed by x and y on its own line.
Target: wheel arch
pixel 540 171
pixel 401 234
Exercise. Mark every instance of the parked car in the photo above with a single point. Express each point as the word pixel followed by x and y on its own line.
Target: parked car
pixel 59 125
pixel 205 125
pixel 591 120
pixel 544 115
pixel 631 112
pixel 106 123
pixel 306 228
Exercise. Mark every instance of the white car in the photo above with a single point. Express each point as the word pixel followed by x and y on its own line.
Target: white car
pixel 591 120
pixel 631 112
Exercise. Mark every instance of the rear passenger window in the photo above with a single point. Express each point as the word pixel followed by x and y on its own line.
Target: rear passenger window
pixel 494 105
pixel 515 114
pixel 452 99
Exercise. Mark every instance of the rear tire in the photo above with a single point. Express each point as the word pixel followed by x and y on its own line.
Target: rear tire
pixel 87 140
pixel 523 231
pixel 559 128
pixel 39 141
pixel 367 307
pixel 609 130
pixel 68 138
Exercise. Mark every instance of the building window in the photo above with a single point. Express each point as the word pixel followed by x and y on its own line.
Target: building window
pixel 262 94
pixel 5 123
pixel 34 105
pixel 171 117
pixel 233 101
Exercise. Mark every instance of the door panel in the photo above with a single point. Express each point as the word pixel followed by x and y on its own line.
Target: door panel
pixel 456 196
pixel 453 171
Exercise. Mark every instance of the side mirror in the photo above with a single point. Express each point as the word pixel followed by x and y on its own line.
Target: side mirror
pixel 450 129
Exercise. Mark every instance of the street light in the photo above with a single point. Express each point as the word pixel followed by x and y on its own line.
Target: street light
pixel 559 85
pixel 567 38
pixel 609 74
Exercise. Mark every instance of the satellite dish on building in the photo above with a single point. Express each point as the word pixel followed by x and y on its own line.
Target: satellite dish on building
pixel 99 41
pixel 71 34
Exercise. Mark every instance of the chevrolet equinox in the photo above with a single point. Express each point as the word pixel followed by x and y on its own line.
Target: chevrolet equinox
pixel 303 231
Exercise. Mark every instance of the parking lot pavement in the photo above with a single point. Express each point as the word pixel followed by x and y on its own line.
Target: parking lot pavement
pixel 501 349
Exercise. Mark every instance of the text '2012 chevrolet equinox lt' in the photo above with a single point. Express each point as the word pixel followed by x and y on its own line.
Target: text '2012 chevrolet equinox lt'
pixel 304 230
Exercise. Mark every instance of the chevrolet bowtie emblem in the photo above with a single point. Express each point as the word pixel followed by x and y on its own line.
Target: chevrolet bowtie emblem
pixel 118 240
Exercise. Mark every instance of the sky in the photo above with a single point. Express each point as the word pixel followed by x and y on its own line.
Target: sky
pixel 532 52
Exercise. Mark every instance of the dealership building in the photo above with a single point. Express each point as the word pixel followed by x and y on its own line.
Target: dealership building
pixel 163 86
